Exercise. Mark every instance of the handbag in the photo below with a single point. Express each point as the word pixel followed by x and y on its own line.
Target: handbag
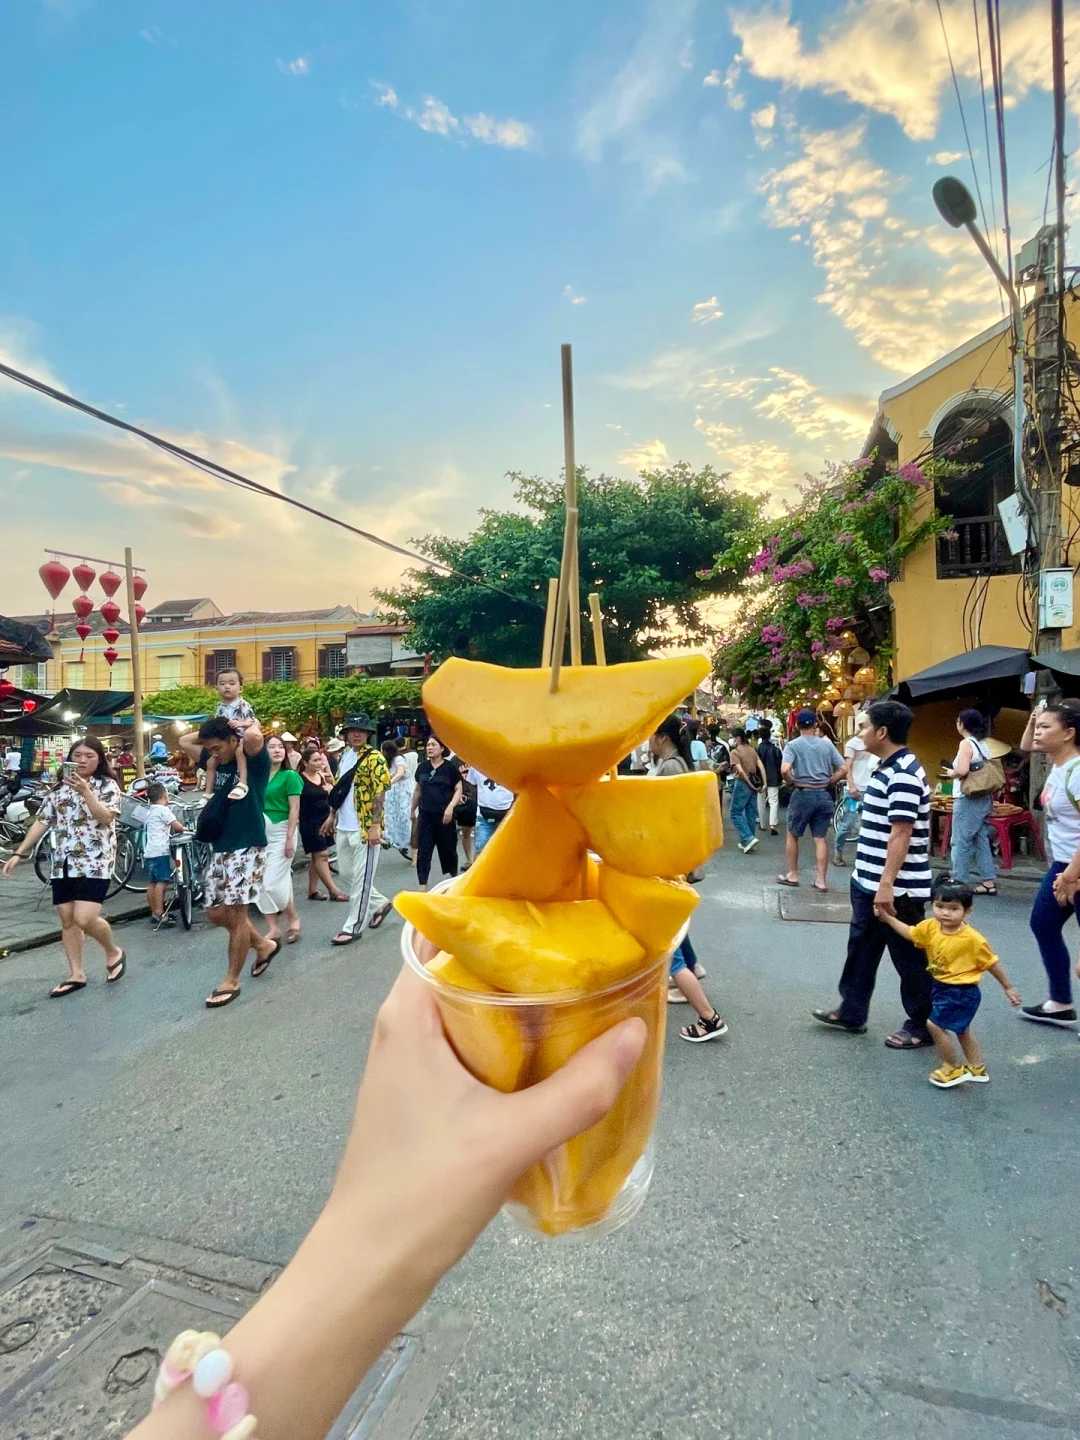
pixel 983 779
pixel 339 791
pixel 210 825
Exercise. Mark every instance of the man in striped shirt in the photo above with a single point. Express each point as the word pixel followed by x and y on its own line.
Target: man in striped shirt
pixel 891 874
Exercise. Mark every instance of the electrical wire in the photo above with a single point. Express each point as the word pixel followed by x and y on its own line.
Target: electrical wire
pixel 963 116
pixel 993 29
pixel 986 135
pixel 244 482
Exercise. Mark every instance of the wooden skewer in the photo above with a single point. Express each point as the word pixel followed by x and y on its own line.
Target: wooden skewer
pixel 568 570
pixel 549 621
pixel 598 647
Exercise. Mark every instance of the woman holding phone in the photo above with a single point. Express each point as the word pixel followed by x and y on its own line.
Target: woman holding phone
pixel 81 813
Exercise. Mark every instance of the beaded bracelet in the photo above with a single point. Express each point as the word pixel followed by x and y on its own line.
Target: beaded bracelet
pixel 197 1355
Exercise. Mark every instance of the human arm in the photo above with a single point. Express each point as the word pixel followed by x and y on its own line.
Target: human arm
pixel 253 740
pixel 840 767
pixel 423 1127
pixel 893 923
pixel 25 849
pixel 455 801
pixel 997 970
pixel 961 766
pixel 192 745
pixel 292 820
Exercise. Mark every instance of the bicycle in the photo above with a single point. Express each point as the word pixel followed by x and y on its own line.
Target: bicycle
pixel 185 889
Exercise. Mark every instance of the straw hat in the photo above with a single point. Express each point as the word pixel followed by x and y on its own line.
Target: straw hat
pixel 997 748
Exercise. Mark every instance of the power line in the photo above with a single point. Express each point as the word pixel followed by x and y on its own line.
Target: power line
pixel 986 137
pixel 993 30
pixel 244 482
pixel 963 116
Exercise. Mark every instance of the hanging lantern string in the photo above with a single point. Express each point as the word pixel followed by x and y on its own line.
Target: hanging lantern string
pixel 69 555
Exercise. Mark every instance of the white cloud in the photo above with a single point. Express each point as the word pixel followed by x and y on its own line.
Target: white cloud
pixel 571 294
pixel 891 58
pixel 705 312
pixel 944 157
pixel 624 116
pixel 18 348
pixel 436 118
pixel 713 79
pixel 648 455
pixel 763 121
pixel 301 65
pixel 881 279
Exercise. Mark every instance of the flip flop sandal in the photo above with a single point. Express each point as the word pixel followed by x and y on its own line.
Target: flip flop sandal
pixel 832 1019
pixel 260 966
pixel 66 987
pixel 343 938
pixel 120 966
pixel 379 916
pixel 984 890
pixel 291 937
pixel 218 999
pixel 317 897
pixel 791 884
pixel 340 899
pixel 821 889
pixel 904 1040
pixel 238 792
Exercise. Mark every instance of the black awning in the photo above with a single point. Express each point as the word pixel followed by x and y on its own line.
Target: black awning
pixel 22 644
pixel 1061 662
pixel 984 664
pixel 94 704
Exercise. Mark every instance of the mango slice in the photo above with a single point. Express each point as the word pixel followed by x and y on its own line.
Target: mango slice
pixel 527 949
pixel 487 1039
pixel 510 725
pixel 578 1182
pixel 644 826
pixel 654 911
pixel 537 853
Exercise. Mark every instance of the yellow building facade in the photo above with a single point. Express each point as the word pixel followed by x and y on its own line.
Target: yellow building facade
pixel 958 593
pixel 302 645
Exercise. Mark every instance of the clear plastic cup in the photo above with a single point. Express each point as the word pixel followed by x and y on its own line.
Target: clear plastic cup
pixel 595 1183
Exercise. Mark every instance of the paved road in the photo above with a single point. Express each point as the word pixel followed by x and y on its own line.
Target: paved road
pixel 832 1248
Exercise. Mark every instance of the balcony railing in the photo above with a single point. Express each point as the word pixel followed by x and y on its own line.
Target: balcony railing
pixel 980 548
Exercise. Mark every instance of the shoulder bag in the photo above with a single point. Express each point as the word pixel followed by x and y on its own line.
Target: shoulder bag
pixel 984 778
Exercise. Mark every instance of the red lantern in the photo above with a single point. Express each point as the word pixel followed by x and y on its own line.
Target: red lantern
pixel 82 605
pixel 138 585
pixel 6 687
pixel 29 706
pixel 82 630
pixel 110 612
pixel 54 576
pixel 84 575
pixel 110 635
pixel 140 614
pixel 110 581
pixel 111 657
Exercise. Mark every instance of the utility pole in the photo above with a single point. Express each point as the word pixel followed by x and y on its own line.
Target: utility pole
pixel 136 665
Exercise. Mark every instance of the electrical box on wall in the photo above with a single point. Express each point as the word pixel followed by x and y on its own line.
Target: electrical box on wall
pixel 1055 599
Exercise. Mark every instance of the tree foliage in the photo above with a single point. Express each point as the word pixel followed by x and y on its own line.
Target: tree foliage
pixel 298 707
pixel 648 547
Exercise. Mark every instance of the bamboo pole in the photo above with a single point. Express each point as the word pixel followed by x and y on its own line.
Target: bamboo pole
pixel 568 582
pixel 597 629
pixel 549 621
pixel 136 665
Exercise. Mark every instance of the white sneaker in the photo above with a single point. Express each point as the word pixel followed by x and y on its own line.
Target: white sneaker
pixel 675 996
pixel 700 971
pixel 750 844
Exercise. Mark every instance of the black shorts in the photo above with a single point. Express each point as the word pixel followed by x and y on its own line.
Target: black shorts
pixel 79 887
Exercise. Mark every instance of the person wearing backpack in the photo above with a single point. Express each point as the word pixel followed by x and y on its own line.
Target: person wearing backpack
pixel 979 776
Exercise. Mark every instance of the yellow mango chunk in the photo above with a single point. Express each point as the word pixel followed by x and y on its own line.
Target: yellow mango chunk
pixel 654 911
pixel 578 1182
pixel 537 853
pixel 527 949
pixel 509 724
pixel 487 1039
pixel 663 826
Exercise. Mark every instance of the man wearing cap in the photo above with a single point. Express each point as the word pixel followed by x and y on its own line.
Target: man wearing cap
pixel 810 764
pixel 358 827
pixel 332 750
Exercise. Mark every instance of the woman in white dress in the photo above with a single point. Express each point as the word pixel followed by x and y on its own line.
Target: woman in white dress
pixel 397 812
pixel 281 807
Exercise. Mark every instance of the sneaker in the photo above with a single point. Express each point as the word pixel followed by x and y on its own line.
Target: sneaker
pixel 978 1074
pixel 700 971
pixel 946 1076
pixel 1066 1018
pixel 675 996
pixel 750 844
pixel 163 922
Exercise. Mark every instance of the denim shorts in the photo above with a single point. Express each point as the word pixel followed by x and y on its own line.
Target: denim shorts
pixel 159 868
pixel 678 962
pixel 953 1007
pixel 810 809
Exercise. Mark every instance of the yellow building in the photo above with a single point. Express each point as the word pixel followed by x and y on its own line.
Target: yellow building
pixel 187 642
pixel 959 593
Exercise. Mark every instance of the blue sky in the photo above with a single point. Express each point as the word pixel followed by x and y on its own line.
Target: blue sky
pixel 337 245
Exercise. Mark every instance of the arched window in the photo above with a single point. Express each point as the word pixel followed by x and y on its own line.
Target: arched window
pixel 982 443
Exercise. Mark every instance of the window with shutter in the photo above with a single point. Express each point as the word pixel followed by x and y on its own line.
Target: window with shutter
pixel 331 662
pixel 217 661
pixel 279 663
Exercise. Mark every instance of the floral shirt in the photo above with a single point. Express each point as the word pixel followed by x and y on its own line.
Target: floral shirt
pixel 372 779
pixel 88 848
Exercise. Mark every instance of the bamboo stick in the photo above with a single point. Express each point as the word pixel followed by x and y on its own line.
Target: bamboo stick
pixel 597 629
pixel 549 621
pixel 569 606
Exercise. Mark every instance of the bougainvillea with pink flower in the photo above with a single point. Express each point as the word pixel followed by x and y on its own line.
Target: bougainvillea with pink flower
pixel 851 530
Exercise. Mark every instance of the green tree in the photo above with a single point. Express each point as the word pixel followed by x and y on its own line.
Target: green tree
pixel 183 700
pixel 648 547
pixel 295 705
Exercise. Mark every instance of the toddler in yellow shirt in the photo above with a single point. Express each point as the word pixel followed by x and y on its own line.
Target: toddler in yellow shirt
pixel 956 956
